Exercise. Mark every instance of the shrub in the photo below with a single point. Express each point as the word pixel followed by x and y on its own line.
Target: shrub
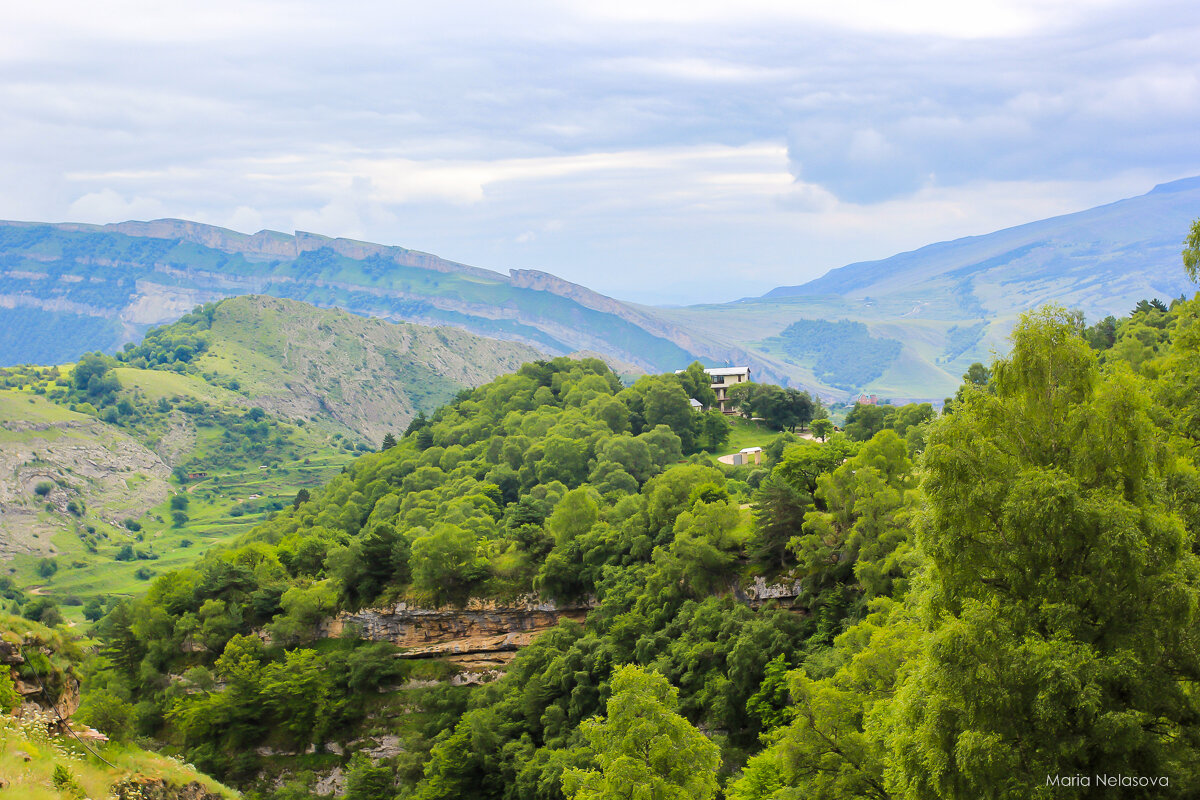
pixel 43 488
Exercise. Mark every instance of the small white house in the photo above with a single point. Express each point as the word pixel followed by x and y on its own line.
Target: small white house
pixel 696 405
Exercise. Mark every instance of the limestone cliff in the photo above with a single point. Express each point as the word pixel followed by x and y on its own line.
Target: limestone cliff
pixel 484 633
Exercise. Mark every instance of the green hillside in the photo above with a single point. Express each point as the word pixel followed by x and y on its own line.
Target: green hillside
pixel 735 631
pixel 255 398
pixel 358 376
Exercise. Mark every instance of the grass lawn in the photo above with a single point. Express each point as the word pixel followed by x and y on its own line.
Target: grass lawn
pixel 747 433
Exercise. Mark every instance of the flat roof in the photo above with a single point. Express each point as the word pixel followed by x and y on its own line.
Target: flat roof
pixel 727 370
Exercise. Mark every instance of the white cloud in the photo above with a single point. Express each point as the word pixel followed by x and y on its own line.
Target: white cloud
pixel 107 205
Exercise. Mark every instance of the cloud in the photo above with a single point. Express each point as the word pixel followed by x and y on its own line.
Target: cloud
pixel 657 150
pixel 108 205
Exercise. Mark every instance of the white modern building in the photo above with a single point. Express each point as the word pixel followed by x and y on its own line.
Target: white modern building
pixel 722 378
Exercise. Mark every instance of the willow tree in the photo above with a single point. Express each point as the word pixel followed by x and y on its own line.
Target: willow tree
pixel 1061 596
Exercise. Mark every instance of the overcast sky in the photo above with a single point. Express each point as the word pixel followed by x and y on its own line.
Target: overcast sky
pixel 660 152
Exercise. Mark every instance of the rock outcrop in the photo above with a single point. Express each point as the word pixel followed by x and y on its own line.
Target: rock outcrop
pixel 484 635
pixel 759 591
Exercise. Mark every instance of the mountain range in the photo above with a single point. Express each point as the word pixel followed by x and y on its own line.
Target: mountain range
pixel 904 327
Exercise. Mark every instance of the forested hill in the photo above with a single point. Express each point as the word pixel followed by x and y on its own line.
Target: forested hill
pixel 96 287
pixel 1045 525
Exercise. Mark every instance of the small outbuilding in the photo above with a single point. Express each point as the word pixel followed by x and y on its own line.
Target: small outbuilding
pixel 748 455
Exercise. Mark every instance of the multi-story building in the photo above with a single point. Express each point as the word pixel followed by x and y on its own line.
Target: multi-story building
pixel 722 378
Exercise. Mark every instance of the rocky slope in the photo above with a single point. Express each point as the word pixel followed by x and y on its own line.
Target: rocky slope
pixel 73 458
pixel 484 634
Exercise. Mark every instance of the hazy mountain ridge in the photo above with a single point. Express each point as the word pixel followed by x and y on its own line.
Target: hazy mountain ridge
pixel 100 286
pixel 953 303
pixel 950 303
pixel 1099 260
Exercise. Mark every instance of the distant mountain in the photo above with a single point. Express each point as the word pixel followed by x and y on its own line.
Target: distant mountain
pixel 907 327
pixel 1101 261
pixel 68 288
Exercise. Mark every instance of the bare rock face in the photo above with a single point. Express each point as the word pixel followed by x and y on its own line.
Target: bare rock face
pixel 482 635
pixel 760 591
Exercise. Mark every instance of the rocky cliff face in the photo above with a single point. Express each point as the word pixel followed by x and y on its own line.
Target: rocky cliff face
pixel 484 634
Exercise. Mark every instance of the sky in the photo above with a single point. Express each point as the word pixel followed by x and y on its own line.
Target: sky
pixel 660 152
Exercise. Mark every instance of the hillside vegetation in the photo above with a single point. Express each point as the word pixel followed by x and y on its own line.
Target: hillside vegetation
pixel 256 398
pixel 41 760
pixel 357 376
pixel 1045 525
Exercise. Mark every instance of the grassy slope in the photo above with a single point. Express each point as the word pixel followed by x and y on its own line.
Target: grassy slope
pixel 746 433
pixel 30 752
pixel 33 779
pixel 83 457
pixel 351 374
pixel 118 476
pixel 331 382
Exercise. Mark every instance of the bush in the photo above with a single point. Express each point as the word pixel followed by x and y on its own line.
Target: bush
pixel 43 488
pixel 43 610
pixel 143 574
pixel 132 524
pixel 93 610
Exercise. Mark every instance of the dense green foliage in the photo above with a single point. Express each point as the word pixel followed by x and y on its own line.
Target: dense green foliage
pixel 783 409
pixel 556 480
pixel 172 346
pixel 843 354
pixel 1002 594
